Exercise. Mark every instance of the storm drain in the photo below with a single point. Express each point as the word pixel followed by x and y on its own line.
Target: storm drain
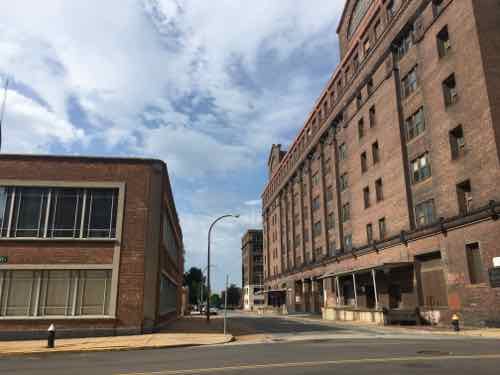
pixel 434 353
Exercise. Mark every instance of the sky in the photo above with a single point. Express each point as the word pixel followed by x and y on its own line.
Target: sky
pixel 206 86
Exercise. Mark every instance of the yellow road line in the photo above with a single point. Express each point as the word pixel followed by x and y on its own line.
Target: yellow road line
pixel 315 364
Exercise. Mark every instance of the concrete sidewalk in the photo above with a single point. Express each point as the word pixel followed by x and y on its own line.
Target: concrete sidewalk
pixel 436 330
pixel 115 343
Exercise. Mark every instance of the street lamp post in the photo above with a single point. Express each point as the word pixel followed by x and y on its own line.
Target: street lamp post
pixel 208 263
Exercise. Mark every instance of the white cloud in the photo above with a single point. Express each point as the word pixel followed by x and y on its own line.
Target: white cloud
pixel 41 127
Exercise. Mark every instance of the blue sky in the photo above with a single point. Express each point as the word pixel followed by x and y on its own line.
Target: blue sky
pixel 207 86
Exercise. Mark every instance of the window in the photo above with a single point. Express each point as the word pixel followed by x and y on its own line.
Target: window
pixel 369 86
pixel 359 100
pixel 415 125
pixel 409 83
pixel 332 248
pixel 65 210
pixel 358 14
pixel 364 162
pixel 343 151
pixel 405 43
pixel 379 190
pixel 367 46
pixel 424 213
pixel 5 196
pixel 306 235
pixel 369 233
pixel 366 197
pixel 355 62
pixel 457 142
pixel 315 179
pixel 317 229
pixel 450 90
pixel 55 293
pixel 373 117
pixel 437 6
pixel 168 295
pixel 378 29
pixel 464 196
pixel 475 264
pixel 382 230
pixel 361 128
pixel 344 182
pixel 347 74
pixel 391 9
pixel 30 206
pixel 316 204
pixel 329 194
pixel 348 242
pixel 331 221
pixel 421 168
pixel 443 42
pixel 297 240
pixel 346 212
pixel 43 212
pixel 375 153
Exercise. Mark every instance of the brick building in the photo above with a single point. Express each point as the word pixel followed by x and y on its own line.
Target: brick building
pixel 252 269
pixel 92 245
pixel 385 206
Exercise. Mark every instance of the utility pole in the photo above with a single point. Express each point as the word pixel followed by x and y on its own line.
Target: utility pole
pixel 2 112
pixel 225 305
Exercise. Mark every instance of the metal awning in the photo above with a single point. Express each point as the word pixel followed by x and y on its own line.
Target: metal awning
pixel 366 269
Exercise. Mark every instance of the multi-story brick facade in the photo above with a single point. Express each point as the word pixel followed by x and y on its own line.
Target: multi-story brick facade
pixel 385 206
pixel 92 245
pixel 252 269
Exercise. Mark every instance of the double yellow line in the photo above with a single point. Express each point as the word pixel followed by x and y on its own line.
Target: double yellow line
pixel 317 364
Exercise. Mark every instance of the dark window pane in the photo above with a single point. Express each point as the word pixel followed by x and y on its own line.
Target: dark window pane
pixel 102 210
pixel 30 207
pixel 65 213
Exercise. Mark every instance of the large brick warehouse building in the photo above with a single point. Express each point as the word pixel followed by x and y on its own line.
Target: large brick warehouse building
pixel 385 206
pixel 91 244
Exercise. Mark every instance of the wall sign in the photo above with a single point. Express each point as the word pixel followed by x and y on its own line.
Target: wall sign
pixel 3 259
pixel 496 262
pixel 495 277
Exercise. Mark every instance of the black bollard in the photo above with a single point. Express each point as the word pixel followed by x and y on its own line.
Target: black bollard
pixel 455 322
pixel 51 338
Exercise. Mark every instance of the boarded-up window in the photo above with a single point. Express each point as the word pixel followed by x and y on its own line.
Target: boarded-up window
pixel 475 264
pixel 433 292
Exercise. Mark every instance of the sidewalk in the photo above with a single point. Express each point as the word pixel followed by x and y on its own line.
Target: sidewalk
pixel 433 330
pixel 116 343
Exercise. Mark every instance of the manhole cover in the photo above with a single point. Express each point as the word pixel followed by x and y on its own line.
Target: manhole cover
pixel 433 352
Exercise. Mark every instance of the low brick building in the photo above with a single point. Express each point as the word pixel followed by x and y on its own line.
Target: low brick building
pixel 385 206
pixel 90 244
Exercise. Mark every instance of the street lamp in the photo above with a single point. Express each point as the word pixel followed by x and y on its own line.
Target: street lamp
pixel 208 263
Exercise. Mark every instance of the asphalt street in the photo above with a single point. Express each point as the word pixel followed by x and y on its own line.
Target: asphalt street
pixel 332 351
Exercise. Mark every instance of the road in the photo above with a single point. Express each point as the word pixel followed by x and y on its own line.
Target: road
pixel 322 349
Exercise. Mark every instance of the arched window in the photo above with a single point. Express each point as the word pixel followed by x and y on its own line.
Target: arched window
pixel 358 13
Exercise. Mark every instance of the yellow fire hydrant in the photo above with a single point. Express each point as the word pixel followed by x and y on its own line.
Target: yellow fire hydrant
pixel 455 322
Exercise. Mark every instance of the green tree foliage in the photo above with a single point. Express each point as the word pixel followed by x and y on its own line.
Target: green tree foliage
pixel 194 280
pixel 215 300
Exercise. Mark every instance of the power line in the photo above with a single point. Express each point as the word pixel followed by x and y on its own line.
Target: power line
pixel 2 113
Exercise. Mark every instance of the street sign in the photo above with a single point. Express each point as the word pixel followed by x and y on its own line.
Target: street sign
pixel 3 259
pixel 495 277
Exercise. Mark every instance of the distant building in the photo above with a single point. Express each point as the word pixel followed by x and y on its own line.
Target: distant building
pixel 252 269
pixel 90 244
pixel 385 206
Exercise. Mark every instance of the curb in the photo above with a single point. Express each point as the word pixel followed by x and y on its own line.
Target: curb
pixel 231 338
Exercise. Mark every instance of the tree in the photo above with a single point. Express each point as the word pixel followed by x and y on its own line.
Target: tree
pixel 215 300
pixel 233 296
pixel 194 280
